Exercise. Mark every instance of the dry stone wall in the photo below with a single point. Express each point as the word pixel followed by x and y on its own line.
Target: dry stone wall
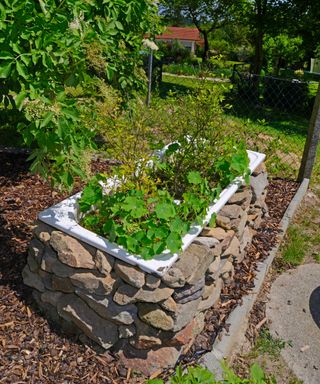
pixel 149 320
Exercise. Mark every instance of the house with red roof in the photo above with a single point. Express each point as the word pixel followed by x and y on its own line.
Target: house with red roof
pixel 188 37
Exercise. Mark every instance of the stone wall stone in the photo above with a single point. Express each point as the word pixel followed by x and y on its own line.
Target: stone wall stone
pixel 149 320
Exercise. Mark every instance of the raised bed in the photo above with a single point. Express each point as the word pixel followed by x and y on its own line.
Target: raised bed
pixel 150 314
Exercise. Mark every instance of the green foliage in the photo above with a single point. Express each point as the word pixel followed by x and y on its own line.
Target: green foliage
pixel 150 201
pixel 296 246
pixel 282 50
pixel 55 57
pixel 270 345
pixel 199 375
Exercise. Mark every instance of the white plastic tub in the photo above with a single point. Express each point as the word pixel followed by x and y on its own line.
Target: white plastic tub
pixel 64 216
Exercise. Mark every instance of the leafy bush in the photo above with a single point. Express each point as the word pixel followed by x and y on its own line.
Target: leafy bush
pixel 199 375
pixel 174 52
pixel 56 57
pixel 137 207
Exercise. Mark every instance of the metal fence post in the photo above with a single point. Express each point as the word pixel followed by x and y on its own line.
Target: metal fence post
pixel 310 149
pixel 150 65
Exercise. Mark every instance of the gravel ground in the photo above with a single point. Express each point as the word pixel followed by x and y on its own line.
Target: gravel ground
pixel 35 351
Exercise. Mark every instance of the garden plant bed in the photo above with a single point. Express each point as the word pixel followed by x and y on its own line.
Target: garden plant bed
pixel 29 341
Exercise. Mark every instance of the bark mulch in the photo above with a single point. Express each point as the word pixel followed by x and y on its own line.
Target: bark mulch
pixel 34 351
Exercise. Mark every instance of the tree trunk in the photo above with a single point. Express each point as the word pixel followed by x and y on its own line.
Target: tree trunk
pixel 258 60
pixel 261 6
pixel 206 46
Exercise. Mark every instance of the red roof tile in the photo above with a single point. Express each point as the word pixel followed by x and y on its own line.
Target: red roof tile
pixel 181 33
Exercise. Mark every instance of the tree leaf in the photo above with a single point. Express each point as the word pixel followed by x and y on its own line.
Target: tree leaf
pixel 165 211
pixel 5 71
pixel 174 242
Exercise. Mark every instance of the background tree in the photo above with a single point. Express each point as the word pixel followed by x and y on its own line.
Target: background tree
pixel 282 50
pixel 207 15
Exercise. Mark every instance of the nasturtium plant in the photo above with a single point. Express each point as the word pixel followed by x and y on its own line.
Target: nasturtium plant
pixel 56 57
pixel 147 223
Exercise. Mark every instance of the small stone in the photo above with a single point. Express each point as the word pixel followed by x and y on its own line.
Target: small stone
pixel 92 283
pixel 104 262
pixel 260 169
pixel 213 292
pixel 241 198
pixel 149 362
pixel 46 278
pixel 152 281
pixel 212 272
pixel 239 229
pixel 226 271
pixel 189 332
pixel 125 294
pixel 258 185
pixel 155 316
pixel 223 222
pixel 36 249
pixel 130 274
pixel 145 342
pixel 207 241
pixel 32 279
pixel 169 305
pixel 106 308
pixel 33 265
pixel 43 231
pixel 126 331
pixel 102 331
pixel 185 313
pixel 51 297
pixel 62 284
pixel 189 292
pixel 232 211
pixel 174 278
pixel 154 295
pixel 218 233
pixel 71 251
pixel 248 234
pixel 51 264
pixel 233 250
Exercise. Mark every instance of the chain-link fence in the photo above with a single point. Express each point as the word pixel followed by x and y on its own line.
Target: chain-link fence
pixel 275 114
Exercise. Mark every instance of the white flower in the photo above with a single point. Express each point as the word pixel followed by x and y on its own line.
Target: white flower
pixel 150 44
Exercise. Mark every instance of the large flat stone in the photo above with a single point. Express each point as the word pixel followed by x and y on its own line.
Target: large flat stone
pixel 51 264
pixel 194 262
pixel 32 279
pixel 72 252
pixel 149 361
pixel 153 315
pixel 130 274
pixel 102 331
pixel 232 211
pixel 105 307
pixel 93 283
pixel 174 278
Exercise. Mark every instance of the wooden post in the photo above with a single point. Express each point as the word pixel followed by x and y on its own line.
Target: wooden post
pixel 310 148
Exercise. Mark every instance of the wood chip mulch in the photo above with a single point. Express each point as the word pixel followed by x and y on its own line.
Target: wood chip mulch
pixel 33 350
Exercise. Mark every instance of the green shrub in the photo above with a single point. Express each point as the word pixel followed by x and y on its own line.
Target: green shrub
pixel 199 375
pixel 49 46
pixel 139 210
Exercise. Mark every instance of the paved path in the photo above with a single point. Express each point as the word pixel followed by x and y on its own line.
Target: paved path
pixel 214 79
pixel 294 311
